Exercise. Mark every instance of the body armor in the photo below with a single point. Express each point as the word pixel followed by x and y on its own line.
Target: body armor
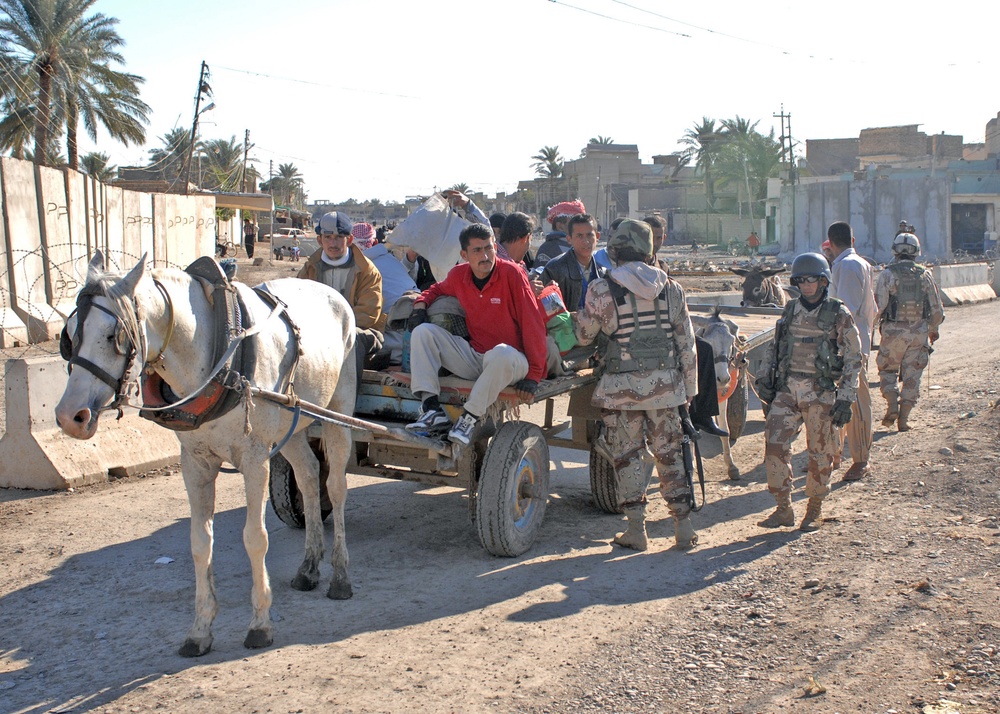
pixel 910 303
pixel 807 347
pixel 644 341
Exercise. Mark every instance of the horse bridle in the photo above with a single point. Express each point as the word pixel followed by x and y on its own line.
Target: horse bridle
pixel 69 347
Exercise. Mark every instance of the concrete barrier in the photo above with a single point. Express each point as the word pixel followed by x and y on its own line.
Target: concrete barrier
pixel 964 283
pixel 24 240
pixel 36 454
pixel 730 299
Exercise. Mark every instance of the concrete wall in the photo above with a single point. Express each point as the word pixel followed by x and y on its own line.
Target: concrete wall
pixel 53 222
pixel 874 208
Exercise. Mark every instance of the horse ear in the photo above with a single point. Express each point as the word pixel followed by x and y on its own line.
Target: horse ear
pixel 130 281
pixel 733 327
pixel 742 272
pixel 96 267
pixel 772 271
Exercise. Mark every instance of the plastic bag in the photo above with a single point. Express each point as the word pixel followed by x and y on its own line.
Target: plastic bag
pixel 432 231
pixel 558 321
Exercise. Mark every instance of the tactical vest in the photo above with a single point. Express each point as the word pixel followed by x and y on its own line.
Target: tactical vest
pixel 808 346
pixel 910 303
pixel 644 341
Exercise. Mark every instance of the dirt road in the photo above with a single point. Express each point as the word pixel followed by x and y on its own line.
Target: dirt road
pixel 893 605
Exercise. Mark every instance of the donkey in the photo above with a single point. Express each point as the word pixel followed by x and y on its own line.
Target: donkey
pixel 159 329
pixel 761 287
pixel 723 335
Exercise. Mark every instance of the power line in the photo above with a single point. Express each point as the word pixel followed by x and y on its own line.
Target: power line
pixel 314 84
pixel 617 19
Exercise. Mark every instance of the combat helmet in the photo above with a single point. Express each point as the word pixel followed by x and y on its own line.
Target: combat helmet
pixel 631 234
pixel 906 244
pixel 810 264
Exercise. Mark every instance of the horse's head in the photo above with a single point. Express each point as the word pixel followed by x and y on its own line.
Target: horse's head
pixel 755 286
pixel 722 336
pixel 99 340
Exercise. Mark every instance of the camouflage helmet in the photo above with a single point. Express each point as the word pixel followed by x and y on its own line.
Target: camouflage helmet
pixel 631 234
pixel 810 264
pixel 906 244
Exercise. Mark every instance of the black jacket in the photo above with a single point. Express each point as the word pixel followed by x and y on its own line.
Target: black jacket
pixel 566 272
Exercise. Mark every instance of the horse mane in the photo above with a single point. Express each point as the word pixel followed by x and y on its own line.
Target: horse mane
pixel 109 286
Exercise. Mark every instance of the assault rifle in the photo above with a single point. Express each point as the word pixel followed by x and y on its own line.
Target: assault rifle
pixel 691 453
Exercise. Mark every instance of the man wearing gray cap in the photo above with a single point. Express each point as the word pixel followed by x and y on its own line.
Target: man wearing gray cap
pixel 343 266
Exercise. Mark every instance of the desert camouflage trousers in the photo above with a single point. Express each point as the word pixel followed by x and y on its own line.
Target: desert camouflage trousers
pixel 800 403
pixel 902 357
pixel 631 437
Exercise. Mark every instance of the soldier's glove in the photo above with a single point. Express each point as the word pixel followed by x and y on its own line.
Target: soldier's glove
pixel 841 412
pixel 417 317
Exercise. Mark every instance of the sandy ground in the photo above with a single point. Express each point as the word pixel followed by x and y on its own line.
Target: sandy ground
pixel 894 605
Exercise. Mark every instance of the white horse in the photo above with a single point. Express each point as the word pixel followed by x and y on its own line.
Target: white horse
pixel 723 335
pixel 165 325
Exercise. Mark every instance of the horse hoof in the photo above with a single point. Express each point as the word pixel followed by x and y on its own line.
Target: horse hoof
pixel 195 648
pixel 340 591
pixel 304 583
pixel 258 638
pixel 734 475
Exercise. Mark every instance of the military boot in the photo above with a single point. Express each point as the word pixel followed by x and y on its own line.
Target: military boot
pixel 904 414
pixel 634 536
pixel 684 535
pixel 891 412
pixel 813 518
pixel 783 515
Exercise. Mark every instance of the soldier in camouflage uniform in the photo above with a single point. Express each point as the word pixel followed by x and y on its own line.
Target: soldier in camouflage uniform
pixel 812 378
pixel 650 371
pixel 910 313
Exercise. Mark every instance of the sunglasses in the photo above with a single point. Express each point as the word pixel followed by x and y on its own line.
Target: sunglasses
pixel 806 279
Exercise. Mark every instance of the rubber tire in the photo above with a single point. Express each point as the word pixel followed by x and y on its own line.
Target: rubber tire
pixel 736 408
pixel 286 500
pixel 603 483
pixel 517 456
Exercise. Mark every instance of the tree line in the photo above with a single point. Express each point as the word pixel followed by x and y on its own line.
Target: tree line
pixel 727 152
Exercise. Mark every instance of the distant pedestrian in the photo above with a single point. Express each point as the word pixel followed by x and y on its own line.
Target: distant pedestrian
pixel 753 241
pixel 249 236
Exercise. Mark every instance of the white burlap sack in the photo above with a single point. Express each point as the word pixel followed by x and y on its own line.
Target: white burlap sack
pixel 432 231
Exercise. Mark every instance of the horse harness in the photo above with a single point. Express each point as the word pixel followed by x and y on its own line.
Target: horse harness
pixel 234 356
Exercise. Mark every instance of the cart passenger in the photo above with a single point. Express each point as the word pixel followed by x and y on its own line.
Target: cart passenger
pixel 396 281
pixel 506 344
pixel 650 372
pixel 344 267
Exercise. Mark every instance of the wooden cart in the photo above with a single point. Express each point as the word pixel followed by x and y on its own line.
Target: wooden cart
pixel 505 470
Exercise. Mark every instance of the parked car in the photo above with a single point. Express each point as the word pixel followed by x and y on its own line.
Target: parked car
pixel 284 240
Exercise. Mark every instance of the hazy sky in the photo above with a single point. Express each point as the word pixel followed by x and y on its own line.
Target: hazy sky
pixel 389 98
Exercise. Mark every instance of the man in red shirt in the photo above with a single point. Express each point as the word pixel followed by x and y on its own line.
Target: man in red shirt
pixel 506 343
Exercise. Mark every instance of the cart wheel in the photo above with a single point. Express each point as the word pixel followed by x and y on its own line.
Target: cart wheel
pixel 736 408
pixel 286 499
pixel 513 489
pixel 603 482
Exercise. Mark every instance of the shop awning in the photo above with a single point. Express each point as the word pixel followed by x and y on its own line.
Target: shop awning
pixel 245 201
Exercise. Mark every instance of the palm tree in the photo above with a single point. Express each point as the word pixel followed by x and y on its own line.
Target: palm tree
pixel 602 140
pixel 286 185
pixel 170 158
pixel 462 188
pixel 58 62
pixel 548 162
pixel 703 142
pixel 223 164
pixel 749 158
pixel 98 165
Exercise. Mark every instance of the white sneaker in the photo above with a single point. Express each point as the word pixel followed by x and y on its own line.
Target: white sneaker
pixel 461 433
pixel 431 421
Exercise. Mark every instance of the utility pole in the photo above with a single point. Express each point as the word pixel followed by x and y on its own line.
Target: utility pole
pixel 203 88
pixel 786 134
pixel 246 150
